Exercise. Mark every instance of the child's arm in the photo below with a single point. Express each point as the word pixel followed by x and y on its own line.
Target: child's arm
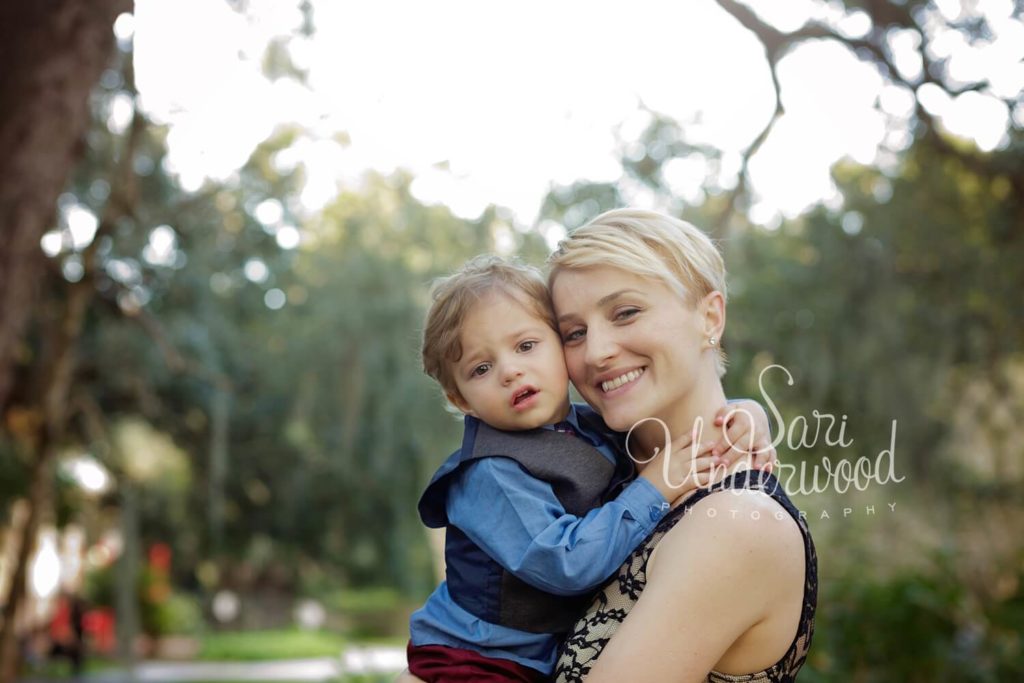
pixel 518 521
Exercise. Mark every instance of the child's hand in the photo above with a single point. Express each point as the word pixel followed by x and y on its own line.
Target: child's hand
pixel 681 468
pixel 745 431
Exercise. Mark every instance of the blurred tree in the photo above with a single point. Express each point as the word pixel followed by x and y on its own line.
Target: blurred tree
pixel 53 53
pixel 926 23
pixel 278 349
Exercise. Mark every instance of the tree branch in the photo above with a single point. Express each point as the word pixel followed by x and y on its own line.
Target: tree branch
pixel 884 15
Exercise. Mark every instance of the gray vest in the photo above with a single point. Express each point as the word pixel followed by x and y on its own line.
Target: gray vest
pixel 580 477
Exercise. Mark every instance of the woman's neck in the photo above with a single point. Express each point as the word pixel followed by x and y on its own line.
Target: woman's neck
pixel 697 409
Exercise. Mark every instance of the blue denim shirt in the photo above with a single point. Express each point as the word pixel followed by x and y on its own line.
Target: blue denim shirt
pixel 517 520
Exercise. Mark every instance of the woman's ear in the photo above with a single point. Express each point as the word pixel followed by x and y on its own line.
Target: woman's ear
pixel 713 309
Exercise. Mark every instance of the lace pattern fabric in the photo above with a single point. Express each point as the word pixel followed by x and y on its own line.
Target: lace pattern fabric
pixel 584 644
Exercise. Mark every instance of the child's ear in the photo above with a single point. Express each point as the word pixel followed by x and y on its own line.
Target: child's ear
pixel 455 398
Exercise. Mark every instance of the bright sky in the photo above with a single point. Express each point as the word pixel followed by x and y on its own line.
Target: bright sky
pixel 513 97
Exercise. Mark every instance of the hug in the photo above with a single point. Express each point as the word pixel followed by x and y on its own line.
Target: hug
pixel 573 552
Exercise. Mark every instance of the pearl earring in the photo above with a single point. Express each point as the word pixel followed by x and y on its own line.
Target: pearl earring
pixel 712 341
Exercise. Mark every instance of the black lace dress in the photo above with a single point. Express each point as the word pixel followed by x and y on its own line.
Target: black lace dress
pixel 609 608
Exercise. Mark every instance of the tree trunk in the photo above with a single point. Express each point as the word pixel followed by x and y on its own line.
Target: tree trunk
pixel 52 52
pixel 10 657
pixel 60 373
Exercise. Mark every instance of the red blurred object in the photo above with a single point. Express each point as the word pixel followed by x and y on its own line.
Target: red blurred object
pixel 60 623
pixel 160 556
pixel 100 627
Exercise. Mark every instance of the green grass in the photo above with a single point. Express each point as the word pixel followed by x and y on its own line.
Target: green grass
pixel 253 646
pixel 363 600
pixel 392 641
pixel 61 668
pixel 368 678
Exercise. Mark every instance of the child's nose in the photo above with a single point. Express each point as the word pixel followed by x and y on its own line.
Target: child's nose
pixel 511 372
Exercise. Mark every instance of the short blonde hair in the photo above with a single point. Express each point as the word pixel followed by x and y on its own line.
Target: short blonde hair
pixel 648 244
pixel 454 296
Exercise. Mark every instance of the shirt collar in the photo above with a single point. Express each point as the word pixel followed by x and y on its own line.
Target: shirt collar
pixel 573 419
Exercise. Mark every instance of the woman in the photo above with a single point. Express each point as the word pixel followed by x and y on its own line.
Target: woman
pixel 725 588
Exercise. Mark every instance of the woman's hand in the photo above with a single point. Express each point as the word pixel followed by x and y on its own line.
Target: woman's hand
pixel 745 432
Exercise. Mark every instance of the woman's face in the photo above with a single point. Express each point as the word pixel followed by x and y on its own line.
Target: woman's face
pixel 633 346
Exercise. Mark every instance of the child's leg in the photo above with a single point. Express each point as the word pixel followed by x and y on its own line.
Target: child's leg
pixel 441 664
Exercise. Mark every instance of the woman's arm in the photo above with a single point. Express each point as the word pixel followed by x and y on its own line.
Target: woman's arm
pixel 732 565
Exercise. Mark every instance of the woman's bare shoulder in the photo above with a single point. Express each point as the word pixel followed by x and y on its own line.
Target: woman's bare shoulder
pixel 736 526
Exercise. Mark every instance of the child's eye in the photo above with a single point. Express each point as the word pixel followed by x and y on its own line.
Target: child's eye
pixel 526 346
pixel 480 370
pixel 573 335
pixel 626 313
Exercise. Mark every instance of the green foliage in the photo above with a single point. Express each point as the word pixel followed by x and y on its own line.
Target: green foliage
pixel 371 613
pixel 99 589
pixel 364 600
pixel 13 475
pixel 255 646
pixel 162 611
pixel 902 303
pixel 178 614
pixel 923 627
pixel 898 304
pixel 319 474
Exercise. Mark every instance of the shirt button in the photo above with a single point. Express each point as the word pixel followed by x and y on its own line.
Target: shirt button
pixel 655 514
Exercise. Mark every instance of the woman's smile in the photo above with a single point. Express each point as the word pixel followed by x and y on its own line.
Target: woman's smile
pixel 619 380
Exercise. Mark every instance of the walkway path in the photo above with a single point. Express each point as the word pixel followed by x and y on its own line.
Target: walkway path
pixel 354 660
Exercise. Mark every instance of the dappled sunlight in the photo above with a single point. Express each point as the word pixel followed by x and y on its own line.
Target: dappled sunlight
pixel 556 127
pixel 214 401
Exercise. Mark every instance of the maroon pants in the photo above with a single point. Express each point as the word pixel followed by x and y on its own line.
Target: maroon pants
pixel 440 664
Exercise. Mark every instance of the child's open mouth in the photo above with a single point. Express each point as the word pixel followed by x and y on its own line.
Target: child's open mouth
pixel 523 397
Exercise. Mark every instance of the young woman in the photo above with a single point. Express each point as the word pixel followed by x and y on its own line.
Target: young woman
pixel 725 588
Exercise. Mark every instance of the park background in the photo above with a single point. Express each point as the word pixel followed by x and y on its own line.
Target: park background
pixel 218 225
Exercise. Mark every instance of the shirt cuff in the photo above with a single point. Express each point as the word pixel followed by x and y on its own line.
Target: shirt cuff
pixel 644 502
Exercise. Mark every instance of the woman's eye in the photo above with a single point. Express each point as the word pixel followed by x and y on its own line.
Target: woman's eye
pixel 527 346
pixel 480 369
pixel 626 313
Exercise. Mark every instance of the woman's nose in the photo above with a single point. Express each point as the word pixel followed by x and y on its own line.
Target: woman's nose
pixel 600 347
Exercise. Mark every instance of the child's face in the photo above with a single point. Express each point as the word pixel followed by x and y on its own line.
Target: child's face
pixel 512 373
